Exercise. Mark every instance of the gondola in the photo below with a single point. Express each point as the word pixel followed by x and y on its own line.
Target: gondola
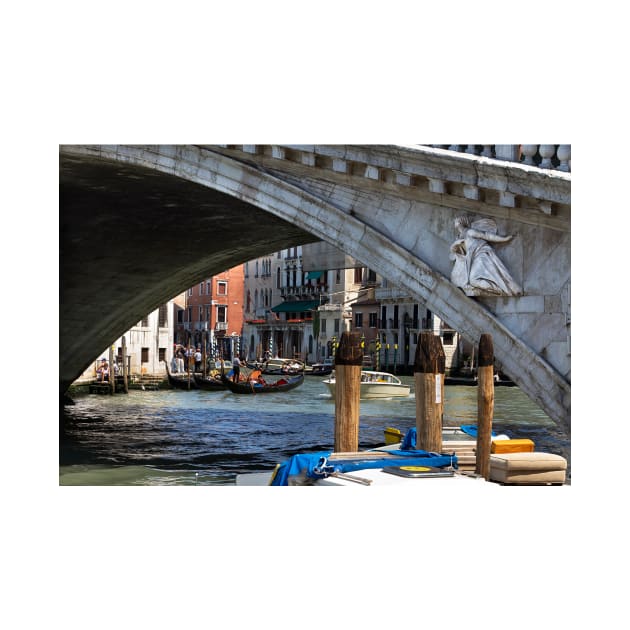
pixel 319 369
pixel 254 386
pixel 209 383
pixel 180 382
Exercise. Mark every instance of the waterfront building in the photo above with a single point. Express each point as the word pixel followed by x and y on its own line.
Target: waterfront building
pixel 281 299
pixel 212 310
pixel 400 322
pixel 148 345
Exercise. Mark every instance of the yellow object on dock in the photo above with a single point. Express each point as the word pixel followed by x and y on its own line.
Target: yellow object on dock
pixel 512 446
pixel 393 436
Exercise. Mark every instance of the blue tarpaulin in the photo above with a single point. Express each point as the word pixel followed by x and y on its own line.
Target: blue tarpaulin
pixel 409 440
pixel 317 466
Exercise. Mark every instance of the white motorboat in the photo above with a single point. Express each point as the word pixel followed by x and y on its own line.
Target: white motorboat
pixel 375 385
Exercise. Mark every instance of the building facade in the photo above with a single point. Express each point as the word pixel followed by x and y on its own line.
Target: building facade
pixel 211 313
pixel 148 345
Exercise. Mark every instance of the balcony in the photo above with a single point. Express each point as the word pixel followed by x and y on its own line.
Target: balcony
pixel 390 293
pixel 221 326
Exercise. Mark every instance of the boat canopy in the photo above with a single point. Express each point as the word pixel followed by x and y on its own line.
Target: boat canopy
pixel 317 465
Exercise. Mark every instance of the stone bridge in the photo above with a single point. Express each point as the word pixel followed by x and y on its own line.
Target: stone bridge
pixel 139 224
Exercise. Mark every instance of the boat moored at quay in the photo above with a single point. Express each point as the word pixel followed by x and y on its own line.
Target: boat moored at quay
pixel 425 453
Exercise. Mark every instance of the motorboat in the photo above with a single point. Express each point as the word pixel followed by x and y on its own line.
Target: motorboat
pixel 320 369
pixel 375 385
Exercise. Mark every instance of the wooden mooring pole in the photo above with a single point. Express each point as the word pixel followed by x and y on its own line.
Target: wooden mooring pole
pixel 429 370
pixel 188 360
pixel 110 372
pixel 204 340
pixel 485 404
pixel 125 369
pixel 348 362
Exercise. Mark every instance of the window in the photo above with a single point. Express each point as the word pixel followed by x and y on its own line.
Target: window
pixel 190 313
pixel 322 325
pixel 337 325
pixel 338 276
pixel 190 292
pixel 373 320
pixel 384 316
pixel 208 287
pixel 222 288
pixel 162 354
pixel 201 313
pixel 222 314
pixel 145 322
pixel 396 316
pixel 358 320
pixel 447 339
pixel 180 316
pixel 278 278
pixel 144 358
pixel 207 313
pixel 358 275
pixel 162 316
pixel 201 288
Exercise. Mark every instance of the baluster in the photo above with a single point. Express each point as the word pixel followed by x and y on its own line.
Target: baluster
pixel 529 151
pixel 564 155
pixel 547 151
pixel 487 150
pixel 470 148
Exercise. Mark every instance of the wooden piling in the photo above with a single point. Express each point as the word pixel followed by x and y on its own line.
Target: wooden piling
pixel 110 372
pixel 125 369
pixel 429 368
pixel 204 338
pixel 485 404
pixel 348 362
pixel 188 360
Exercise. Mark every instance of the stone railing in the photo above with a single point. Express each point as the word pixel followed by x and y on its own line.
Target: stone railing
pixel 552 156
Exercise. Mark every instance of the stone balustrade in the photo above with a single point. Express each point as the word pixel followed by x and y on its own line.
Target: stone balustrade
pixel 552 156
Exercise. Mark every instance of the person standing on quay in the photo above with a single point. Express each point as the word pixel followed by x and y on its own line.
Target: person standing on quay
pixel 198 360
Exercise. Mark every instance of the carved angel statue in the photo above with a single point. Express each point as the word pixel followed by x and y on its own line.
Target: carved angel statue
pixel 477 269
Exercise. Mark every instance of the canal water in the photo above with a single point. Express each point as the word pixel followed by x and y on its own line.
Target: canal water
pixel 181 438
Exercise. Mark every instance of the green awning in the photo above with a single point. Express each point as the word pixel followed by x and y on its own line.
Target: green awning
pixel 296 307
pixel 314 275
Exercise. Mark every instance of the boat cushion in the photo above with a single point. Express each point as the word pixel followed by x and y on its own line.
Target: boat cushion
pixel 527 468
pixel 512 446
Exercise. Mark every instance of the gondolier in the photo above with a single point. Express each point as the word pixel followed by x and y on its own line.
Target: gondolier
pixel 236 366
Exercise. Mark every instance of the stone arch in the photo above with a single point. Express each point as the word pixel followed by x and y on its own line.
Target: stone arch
pixel 322 219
